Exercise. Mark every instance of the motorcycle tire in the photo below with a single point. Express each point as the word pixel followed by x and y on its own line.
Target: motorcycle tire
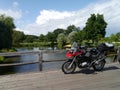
pixel 66 69
pixel 99 66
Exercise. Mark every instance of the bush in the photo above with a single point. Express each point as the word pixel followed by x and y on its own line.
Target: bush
pixel 8 50
pixel 1 58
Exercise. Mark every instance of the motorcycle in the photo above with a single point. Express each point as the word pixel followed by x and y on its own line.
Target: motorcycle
pixel 80 57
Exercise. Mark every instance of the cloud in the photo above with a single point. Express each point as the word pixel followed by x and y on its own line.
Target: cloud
pixel 48 20
pixel 47 15
pixel 13 13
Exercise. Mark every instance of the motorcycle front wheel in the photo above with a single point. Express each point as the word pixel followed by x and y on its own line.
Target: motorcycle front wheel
pixel 99 66
pixel 67 68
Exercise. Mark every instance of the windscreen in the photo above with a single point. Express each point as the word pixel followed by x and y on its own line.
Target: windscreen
pixel 74 45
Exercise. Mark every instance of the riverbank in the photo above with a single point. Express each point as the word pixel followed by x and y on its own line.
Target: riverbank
pixel 2 58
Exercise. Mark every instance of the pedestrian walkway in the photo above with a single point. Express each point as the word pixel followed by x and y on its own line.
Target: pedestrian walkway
pixel 108 79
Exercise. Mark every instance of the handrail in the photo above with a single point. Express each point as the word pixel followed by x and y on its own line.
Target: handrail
pixel 40 58
pixel 17 64
pixel 24 63
pixel 18 53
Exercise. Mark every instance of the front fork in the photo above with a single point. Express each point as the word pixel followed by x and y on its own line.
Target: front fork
pixel 72 62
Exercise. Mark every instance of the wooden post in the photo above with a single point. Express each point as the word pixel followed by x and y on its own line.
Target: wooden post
pixel 40 60
pixel 118 55
pixel 115 56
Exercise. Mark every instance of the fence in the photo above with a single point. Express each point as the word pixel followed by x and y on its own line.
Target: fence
pixel 39 61
pixel 40 58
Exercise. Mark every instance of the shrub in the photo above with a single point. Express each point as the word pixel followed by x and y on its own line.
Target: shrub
pixel 1 58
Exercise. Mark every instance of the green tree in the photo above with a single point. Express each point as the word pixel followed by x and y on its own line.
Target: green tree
pixel 114 38
pixel 71 37
pixel 30 38
pixel 70 29
pixel 51 38
pixel 79 36
pixel 95 28
pixel 58 31
pixel 42 38
pixel 61 40
pixel 6 27
pixel 118 36
pixel 18 37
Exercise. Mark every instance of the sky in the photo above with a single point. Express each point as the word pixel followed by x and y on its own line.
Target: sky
pixel 36 17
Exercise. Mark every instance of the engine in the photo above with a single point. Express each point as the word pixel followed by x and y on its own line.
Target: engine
pixel 83 61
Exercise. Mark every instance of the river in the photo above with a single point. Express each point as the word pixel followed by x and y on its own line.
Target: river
pixel 34 67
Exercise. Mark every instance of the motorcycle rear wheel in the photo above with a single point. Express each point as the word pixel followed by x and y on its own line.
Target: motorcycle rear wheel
pixel 99 66
pixel 66 69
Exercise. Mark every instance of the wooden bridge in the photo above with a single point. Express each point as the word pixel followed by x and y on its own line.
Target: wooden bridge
pixel 108 79
pixel 87 79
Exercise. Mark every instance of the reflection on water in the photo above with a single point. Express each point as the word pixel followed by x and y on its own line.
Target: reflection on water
pixel 34 67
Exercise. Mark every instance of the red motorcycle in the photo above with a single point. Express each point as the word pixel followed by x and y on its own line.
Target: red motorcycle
pixel 82 58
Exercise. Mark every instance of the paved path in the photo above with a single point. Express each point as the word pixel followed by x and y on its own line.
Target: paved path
pixel 108 79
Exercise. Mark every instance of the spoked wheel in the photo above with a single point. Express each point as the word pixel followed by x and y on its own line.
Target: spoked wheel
pixel 67 68
pixel 119 59
pixel 99 66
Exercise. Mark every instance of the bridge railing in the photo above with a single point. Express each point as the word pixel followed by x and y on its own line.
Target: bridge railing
pixel 41 60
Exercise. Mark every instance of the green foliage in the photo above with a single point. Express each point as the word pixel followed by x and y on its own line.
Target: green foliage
pixel 79 36
pixel 51 38
pixel 93 32
pixel 70 29
pixel 58 31
pixel 71 37
pixel 1 59
pixel 95 27
pixel 18 37
pixel 6 27
pixel 118 35
pixel 42 38
pixel 61 40
pixel 30 38
pixel 8 50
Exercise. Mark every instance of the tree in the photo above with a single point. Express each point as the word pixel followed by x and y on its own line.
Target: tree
pixel 6 27
pixel 114 38
pixel 71 37
pixel 95 27
pixel 18 37
pixel 51 38
pixel 70 29
pixel 61 40
pixel 30 38
pixel 118 36
pixel 42 38
pixel 79 36
pixel 58 31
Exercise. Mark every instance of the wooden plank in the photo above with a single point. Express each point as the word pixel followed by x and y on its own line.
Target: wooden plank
pixel 118 55
pixel 57 80
pixel 18 64
pixel 18 53
pixel 40 61
pixel 57 60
